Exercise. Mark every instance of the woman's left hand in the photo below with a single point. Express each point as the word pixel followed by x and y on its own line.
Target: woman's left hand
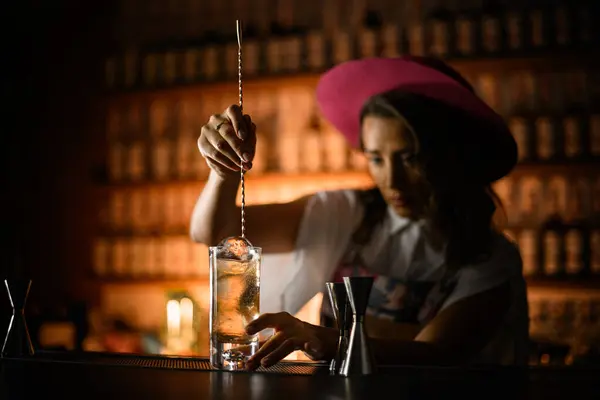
pixel 291 334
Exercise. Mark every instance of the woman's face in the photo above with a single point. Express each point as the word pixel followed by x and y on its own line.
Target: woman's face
pixel 391 150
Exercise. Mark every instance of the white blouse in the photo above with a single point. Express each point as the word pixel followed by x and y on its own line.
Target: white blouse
pixel 400 248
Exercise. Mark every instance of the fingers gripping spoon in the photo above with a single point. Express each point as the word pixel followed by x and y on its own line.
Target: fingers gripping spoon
pixel 239 245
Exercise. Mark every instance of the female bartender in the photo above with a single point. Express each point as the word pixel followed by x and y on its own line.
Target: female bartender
pixel 448 287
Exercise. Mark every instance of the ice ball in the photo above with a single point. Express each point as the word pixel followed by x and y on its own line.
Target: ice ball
pixel 236 248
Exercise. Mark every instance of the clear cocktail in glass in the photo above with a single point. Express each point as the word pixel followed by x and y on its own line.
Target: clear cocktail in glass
pixel 234 302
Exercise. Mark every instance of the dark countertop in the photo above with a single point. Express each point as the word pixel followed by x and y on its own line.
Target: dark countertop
pixel 97 378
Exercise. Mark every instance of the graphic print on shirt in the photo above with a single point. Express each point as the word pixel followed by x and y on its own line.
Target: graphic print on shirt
pixel 414 302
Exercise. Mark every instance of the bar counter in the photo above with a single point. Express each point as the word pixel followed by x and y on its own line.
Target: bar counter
pixel 112 376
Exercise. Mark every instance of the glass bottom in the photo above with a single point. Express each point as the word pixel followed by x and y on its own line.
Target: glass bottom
pixel 230 355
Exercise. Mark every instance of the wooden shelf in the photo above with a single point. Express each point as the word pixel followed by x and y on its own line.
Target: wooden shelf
pixel 269 178
pixel 150 281
pixel 573 168
pixel 550 61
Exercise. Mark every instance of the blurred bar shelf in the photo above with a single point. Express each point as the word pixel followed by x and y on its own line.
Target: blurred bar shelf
pixel 270 178
pixel 150 281
pixel 550 61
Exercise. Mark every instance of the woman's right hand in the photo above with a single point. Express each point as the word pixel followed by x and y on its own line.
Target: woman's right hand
pixel 228 141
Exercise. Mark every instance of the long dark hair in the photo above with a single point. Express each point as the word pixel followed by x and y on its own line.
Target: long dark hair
pixel 460 209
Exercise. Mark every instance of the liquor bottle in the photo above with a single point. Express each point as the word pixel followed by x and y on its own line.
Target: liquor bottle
pixel 540 28
pixel 315 49
pixel 595 252
pixel 136 159
pixel 101 257
pixel 491 32
pixel 578 200
pixel 552 247
pixel 519 93
pixel 391 40
pixel 530 199
pixel 563 25
pixel 440 38
pixel 527 240
pixel 150 70
pixel 489 91
pixel 170 67
pixel 130 73
pixel 546 139
pixel 210 62
pixel 574 251
pixel 505 189
pixel 231 60
pixel 515 30
pixel 251 49
pixel 368 42
pixel 556 198
pixel 465 34
pixel 594 135
pixel 572 137
pixel 191 63
pixel 575 88
pixel 520 130
pixel 369 35
pixel 343 46
pixel 416 39
pixel 274 50
pixel 312 151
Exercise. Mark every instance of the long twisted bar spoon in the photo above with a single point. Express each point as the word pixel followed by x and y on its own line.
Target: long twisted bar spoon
pixel 239 246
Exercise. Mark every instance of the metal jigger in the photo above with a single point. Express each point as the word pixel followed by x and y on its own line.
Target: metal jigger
pixel 359 358
pixel 17 342
pixel 342 314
